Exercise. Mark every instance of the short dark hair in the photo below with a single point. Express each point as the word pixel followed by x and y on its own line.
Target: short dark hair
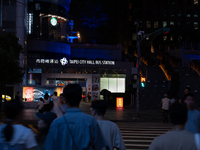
pixel 178 113
pixel 189 94
pixel 73 94
pixel 99 106
pixel 55 93
pixel 46 108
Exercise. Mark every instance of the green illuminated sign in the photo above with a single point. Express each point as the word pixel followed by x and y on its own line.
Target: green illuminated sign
pixel 53 21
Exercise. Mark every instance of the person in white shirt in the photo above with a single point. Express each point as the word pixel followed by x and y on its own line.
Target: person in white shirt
pixel 55 102
pixel 110 130
pixel 12 134
pixel 62 106
pixel 165 107
pixel 40 105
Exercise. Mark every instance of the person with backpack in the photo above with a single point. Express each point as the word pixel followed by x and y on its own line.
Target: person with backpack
pixel 13 135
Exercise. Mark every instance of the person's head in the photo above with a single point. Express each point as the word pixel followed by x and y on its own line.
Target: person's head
pixel 178 114
pixel 46 108
pixel 73 95
pixel 165 95
pixel 46 96
pixel 41 99
pixel 187 90
pixel 61 99
pixel 17 93
pixel 98 107
pixel 55 93
pixel 13 111
pixel 189 100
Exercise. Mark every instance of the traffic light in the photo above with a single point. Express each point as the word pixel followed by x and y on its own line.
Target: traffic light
pixel 143 82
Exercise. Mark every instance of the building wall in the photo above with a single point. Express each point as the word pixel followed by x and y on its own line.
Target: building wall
pixel 107 52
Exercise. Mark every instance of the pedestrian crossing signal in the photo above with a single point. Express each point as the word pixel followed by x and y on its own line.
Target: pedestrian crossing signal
pixel 142 84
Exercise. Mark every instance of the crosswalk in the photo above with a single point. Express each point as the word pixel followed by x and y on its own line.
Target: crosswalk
pixel 140 137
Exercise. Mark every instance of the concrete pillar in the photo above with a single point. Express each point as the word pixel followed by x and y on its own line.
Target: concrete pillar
pixel 20 33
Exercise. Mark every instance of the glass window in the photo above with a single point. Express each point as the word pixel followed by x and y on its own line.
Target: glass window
pixel 121 85
pixel 165 12
pixel 188 23
pixel 156 25
pixel 195 2
pixel 196 13
pixel 134 37
pixel 115 85
pixel 148 24
pixel 164 23
pixel 172 13
pixel 196 25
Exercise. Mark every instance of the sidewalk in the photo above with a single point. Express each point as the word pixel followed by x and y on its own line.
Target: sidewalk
pixel 114 114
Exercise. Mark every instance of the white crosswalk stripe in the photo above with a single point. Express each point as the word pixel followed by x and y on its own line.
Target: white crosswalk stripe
pixel 140 138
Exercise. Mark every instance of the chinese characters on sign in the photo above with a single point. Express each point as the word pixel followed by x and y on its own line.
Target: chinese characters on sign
pixel 64 61
pixel 47 61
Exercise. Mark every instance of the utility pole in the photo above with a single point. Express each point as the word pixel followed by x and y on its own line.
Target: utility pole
pixel 140 36
pixel 138 68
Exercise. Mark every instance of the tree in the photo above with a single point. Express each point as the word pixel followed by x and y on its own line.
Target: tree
pixel 11 72
pixel 92 16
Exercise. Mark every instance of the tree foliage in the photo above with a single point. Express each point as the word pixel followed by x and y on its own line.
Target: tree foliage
pixel 11 72
pixel 93 16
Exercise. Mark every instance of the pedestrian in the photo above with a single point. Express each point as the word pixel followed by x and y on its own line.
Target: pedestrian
pixel 193 122
pixel 110 130
pixel 46 98
pixel 62 106
pixel 171 101
pixel 177 138
pixel 40 105
pixel 55 100
pixel 165 108
pixel 186 91
pixel 74 130
pixel 13 135
pixel 89 97
pixel 18 97
pixel 44 123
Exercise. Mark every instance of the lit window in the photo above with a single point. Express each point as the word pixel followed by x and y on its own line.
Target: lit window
pixel 156 25
pixel 195 2
pixel 134 37
pixel 148 24
pixel 171 23
pixel 147 38
pixel 171 38
pixel 188 13
pixel 164 37
pixel 195 25
pixel 164 23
